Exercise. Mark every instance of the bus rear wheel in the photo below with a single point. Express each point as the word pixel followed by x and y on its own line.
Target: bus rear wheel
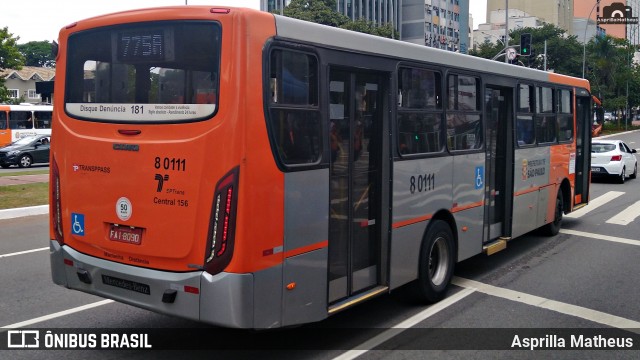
pixel 437 261
pixel 553 228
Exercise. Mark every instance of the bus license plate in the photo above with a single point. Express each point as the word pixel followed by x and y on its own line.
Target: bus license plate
pixel 125 234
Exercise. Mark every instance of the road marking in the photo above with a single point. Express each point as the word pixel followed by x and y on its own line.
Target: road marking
pixel 601 237
pixel 471 286
pixel 537 301
pixel 627 215
pixel 23 252
pixel 410 322
pixel 595 203
pixel 56 315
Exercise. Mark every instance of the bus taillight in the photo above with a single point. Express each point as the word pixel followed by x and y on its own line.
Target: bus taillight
pixel 222 223
pixel 56 203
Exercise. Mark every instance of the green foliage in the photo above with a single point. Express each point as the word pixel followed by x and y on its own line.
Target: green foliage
pixel 487 50
pixel 10 57
pixel 609 68
pixel 564 52
pixel 317 11
pixel 370 27
pixel 610 71
pixel 323 12
pixel 37 53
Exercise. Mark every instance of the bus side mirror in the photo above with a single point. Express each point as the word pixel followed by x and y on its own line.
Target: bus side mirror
pixel 54 49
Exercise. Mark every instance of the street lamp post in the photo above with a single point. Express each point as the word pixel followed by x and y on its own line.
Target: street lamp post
pixel 506 29
pixel 584 43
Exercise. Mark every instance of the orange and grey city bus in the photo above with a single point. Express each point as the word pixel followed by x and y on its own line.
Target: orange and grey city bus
pixel 18 121
pixel 249 170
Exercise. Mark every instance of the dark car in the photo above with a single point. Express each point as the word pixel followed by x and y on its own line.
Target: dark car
pixel 26 151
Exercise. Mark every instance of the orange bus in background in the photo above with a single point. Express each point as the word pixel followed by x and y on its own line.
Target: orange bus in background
pixel 18 121
pixel 249 170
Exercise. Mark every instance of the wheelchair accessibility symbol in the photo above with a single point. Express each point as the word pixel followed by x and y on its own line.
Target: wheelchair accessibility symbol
pixel 77 224
pixel 479 177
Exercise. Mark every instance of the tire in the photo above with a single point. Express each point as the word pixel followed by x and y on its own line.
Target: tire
pixel 553 228
pixel 635 171
pixel 437 262
pixel 25 161
pixel 622 176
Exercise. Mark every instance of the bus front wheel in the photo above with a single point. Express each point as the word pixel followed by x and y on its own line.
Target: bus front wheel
pixel 437 261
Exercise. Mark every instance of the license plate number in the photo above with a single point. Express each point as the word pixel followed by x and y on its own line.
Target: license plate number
pixel 125 234
pixel 595 169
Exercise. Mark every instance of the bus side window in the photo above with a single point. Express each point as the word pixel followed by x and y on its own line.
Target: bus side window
pixel 525 129
pixel 3 121
pixel 419 111
pixel 20 120
pixel 464 117
pixel 297 135
pixel 525 134
pixel 42 119
pixel 296 131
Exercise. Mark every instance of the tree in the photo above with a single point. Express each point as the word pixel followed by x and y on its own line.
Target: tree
pixel 564 52
pixel 369 27
pixel 10 58
pixel 487 50
pixel 323 12
pixel 610 71
pixel 37 53
pixel 317 11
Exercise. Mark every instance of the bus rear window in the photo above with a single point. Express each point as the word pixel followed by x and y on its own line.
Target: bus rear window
pixel 146 72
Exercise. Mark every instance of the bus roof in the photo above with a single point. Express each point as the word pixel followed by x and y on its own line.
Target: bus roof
pixel 335 37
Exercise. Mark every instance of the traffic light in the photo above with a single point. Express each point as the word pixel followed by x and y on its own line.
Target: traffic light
pixel 525 44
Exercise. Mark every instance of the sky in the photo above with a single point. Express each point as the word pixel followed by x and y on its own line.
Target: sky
pixel 39 20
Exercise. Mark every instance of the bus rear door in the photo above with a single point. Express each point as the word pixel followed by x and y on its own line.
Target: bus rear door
pixel 499 187
pixel 354 195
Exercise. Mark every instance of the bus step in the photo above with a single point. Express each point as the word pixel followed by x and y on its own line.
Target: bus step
pixel 341 305
pixel 497 245
pixel 578 206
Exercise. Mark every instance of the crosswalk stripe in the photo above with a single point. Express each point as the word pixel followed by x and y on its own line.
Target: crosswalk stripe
pixel 595 203
pixel 627 215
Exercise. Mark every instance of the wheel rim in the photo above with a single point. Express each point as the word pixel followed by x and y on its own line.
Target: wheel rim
pixel 438 261
pixel 25 161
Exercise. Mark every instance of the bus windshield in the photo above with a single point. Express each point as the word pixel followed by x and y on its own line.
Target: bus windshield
pixel 151 72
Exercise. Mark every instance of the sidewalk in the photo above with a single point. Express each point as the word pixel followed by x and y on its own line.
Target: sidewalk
pixel 23 179
pixel 26 211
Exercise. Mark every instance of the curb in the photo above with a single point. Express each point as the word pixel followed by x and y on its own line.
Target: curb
pixel 25 211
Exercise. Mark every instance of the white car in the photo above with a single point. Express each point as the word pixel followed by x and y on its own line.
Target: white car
pixel 613 158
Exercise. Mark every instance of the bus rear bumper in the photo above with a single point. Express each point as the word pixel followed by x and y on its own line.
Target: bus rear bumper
pixel 223 299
